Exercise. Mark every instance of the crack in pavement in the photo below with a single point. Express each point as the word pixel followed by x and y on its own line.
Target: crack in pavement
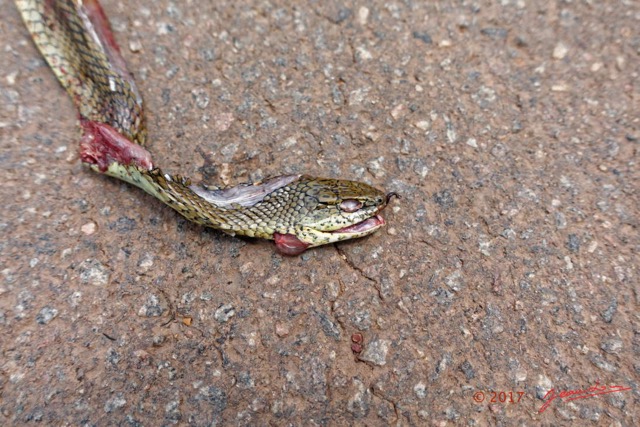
pixel 352 265
pixel 379 395
pixel 360 272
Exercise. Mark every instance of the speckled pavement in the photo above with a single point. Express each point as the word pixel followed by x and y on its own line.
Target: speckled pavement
pixel 509 267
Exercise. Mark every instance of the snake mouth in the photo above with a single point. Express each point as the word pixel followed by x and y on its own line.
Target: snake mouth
pixel 368 225
pixel 290 244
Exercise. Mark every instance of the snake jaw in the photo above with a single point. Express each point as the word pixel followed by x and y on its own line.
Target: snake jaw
pixel 307 237
pixel 367 226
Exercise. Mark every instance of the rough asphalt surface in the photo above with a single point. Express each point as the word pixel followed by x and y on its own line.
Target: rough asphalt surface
pixel 511 129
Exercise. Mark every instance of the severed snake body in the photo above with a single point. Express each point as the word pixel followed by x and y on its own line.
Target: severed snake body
pixel 297 211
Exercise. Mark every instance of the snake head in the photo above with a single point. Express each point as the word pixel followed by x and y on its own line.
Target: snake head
pixel 297 211
pixel 330 210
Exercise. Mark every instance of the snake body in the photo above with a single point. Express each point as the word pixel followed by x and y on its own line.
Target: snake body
pixel 297 211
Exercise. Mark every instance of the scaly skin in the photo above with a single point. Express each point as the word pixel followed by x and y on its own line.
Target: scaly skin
pixel 296 211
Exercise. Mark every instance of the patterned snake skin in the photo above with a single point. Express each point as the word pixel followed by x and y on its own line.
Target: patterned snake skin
pixel 297 211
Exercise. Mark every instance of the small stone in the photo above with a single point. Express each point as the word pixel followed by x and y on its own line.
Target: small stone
pixel 568 263
pixel 343 15
pixel 361 319
pixel 444 199
pixel 145 263
pixel 289 142
pixel 116 402
pixel 363 15
pixel 454 281
pixel 282 330
pixel 589 413
pixel 142 355
pixel 329 327
pixel 124 225
pixel 376 352
pixel 573 243
pixel 420 168
pixel 561 220
pixel 423 125
pixel 93 272
pixel 224 313
pixel 422 36
pixel 172 410
pixel 520 375
pixel 471 142
pixel 543 386
pixel 451 413
pixel 89 228
pixel 560 51
pixel 214 396
pixel 11 78
pixel 75 299
pixel 420 390
pixel 208 54
pixel 485 96
pixel 170 73
pixel 158 340
pixel 358 404
pixel 135 45
pixel 46 315
pixel 495 33
pixel 223 121
pixel 152 307
pixel 599 361
pixel 162 28
pixel 611 345
pixel 425 415
pixel 201 98
pixel 375 167
pixel 397 111
pixel 362 54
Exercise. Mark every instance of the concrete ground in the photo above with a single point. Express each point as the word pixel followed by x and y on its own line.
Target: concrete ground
pixel 510 265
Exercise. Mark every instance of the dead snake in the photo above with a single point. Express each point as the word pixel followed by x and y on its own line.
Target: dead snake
pixel 297 211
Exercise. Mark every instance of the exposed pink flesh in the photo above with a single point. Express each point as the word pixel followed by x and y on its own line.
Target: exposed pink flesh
pixel 97 24
pixel 362 226
pixel 102 145
pixel 288 244
pixel 100 22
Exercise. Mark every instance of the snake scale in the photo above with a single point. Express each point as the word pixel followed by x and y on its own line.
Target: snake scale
pixel 297 211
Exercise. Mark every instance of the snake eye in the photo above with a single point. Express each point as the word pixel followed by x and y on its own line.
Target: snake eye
pixel 350 205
